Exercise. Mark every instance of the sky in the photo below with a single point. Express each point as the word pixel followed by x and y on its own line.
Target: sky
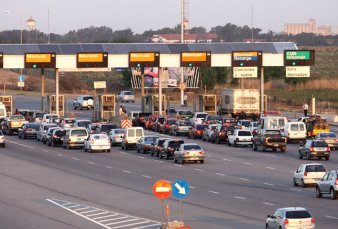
pixel 141 15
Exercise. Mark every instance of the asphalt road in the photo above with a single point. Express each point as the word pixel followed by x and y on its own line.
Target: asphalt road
pixel 44 187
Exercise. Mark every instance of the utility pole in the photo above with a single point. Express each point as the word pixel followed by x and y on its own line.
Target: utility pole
pixel 182 41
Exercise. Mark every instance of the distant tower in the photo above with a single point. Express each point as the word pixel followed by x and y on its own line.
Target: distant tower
pixel 312 26
pixel 186 16
pixel 31 24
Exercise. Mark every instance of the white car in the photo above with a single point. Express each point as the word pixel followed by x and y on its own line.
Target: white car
pixel 126 96
pixel 97 142
pixel 2 139
pixel 116 136
pixel 240 137
pixel 308 174
pixel 84 101
pixel 40 135
pixel 189 152
pixel 198 118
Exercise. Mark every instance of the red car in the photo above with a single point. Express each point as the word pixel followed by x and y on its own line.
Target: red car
pixel 150 122
pixel 165 127
pixel 197 131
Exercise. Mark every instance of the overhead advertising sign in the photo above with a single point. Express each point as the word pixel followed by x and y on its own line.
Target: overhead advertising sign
pixel 40 60
pixel 297 71
pixel 246 58
pixel 245 72
pixel 1 60
pixel 299 57
pixel 144 59
pixel 92 60
pixel 195 59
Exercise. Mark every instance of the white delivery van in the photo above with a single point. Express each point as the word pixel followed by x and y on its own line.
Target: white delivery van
pixel 294 131
pixel 272 123
pixel 131 136
pixel 3 112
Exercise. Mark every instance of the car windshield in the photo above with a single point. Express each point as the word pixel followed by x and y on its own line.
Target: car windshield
pixel 59 133
pixel 51 116
pixel 246 123
pixel 161 120
pixel 201 127
pixel 88 97
pixel 244 133
pixel 107 128
pixel 149 140
pixel 319 144
pixel 100 136
pixel 201 116
pixel 39 115
pixel 297 215
pixel 328 135
pixel 119 131
pixel 128 93
pixel 315 168
pixel 16 117
pixel 160 142
pixel 175 144
pixel 171 122
pixel 213 117
pixel 83 123
pixel 79 132
pixel 272 132
pixel 33 126
pixel 192 147
pixel 185 113
pixel 184 123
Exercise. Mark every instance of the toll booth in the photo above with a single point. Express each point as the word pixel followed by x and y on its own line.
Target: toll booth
pixel 150 103
pixel 208 104
pixel 7 100
pixel 51 105
pixel 107 107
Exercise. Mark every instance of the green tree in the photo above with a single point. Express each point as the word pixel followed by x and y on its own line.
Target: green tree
pixel 209 78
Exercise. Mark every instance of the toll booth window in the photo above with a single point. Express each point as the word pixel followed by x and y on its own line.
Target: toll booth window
pixel 2 112
pixel 227 99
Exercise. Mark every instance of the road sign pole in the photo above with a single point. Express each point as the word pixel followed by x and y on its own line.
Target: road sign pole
pixel 181 218
pixel 162 213
pixel 262 89
pixel 57 91
pixel 42 89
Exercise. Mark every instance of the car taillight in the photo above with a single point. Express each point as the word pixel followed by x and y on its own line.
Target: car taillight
pixel 186 153
pixel 286 140
pixel 337 181
pixel 286 222
pixel 305 173
pixel 237 139
pixel 312 220
pixel 328 149
pixel 220 134
pixel 201 152
pixel 312 148
pixel 167 125
pixel 55 136
pixel 92 141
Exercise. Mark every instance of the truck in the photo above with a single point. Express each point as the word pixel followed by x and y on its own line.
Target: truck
pixel 236 101
pixel 3 112
pixel 12 124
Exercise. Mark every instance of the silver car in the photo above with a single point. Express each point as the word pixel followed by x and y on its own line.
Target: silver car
pixel 126 96
pixel 2 139
pixel 189 152
pixel 290 217
pixel 116 136
pixel 328 185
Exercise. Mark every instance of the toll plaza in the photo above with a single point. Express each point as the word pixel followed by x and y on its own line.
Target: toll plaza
pixel 103 57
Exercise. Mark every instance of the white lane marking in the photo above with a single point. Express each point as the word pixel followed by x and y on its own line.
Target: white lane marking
pixel 59 154
pixel 106 220
pixel 76 159
pixel 124 221
pixel 133 224
pixel 96 214
pixel 106 216
pixel 269 184
pixel 159 161
pixel 79 209
pixel 294 189
pixel 90 162
pixel 247 163
pixel 125 171
pixel 51 201
pixel 220 174
pixel 146 176
pixel 331 217
pixel 224 159
pixel 141 157
pixel 124 153
pixel 30 147
pixel 239 197
pixel 108 167
pixel 178 165
pixel 74 206
pixel 45 151
pixel 201 170
pixel 272 168
pixel 241 178
pixel 192 187
pixel 214 192
pixel 266 203
pixel 85 212
pixel 152 225
pixel 269 155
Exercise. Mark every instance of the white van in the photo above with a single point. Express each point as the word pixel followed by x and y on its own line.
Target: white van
pixel 47 117
pixel 75 138
pixel 295 131
pixel 131 136
pixel 198 118
pixel 3 112
pixel 272 123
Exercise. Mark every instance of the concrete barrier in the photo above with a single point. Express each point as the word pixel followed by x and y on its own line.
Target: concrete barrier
pixel 330 117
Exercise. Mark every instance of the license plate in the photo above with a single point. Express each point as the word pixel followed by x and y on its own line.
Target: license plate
pixel 320 148
pixel 275 145
pixel 79 139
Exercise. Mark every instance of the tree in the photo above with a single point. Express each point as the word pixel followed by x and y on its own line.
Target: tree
pixel 209 79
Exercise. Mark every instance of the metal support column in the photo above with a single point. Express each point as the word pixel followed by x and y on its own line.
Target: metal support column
pixel 42 89
pixel 262 90
pixel 160 92
pixel 57 91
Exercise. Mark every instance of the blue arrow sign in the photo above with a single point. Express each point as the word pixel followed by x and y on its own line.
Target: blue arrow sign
pixel 180 189
pixel 21 78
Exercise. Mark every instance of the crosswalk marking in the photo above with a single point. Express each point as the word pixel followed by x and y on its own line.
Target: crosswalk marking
pixel 106 219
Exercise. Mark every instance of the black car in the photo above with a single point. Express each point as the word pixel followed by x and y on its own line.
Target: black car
pixel 28 130
pixel 105 128
pixel 169 147
pixel 157 146
pixel 56 138
pixel 145 143
pixel 140 119
pixel 158 122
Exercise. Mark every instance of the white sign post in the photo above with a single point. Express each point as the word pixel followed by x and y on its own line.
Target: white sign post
pixel 245 72
pixel 297 71
pixel 21 83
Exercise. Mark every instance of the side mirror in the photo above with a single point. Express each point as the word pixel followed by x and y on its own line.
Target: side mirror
pixel 268 216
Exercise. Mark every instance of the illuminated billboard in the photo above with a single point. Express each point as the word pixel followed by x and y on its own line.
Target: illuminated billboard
pixel 299 57
pixel 195 59
pixel 246 59
pixel 144 59
pixel 92 60
pixel 40 60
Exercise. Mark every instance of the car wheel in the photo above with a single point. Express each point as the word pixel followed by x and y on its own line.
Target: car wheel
pixel 327 158
pixel 137 150
pixel 108 150
pixel 203 139
pixel 19 136
pixel 302 184
pixel 202 161
pixel 229 144
pixel 182 161
pixel 175 160
pixel 294 182
pixel 274 150
pixel 308 156
pixel 318 193
pixel 333 194
pixel 300 155
pixel 282 149
pixel 218 141
pixel 263 148
pixel 254 147
pixel 151 153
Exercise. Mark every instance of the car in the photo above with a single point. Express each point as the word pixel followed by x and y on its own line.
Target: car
pixel 221 134
pixel 150 122
pixel 38 116
pixel 40 135
pixel 243 124
pixel 165 127
pixel 328 184
pixel 253 127
pixel 82 123
pixel 189 152
pixel 131 136
pixel 126 96
pixel 47 137
pixel 209 131
pixel 28 130
pixel 290 217
pixel 181 127
pixel 104 128
pixel 240 137
pixel 143 145
pixel 184 114
pixel 169 147
pixel 83 101
pixel 157 146
pixel 308 174
pixel 157 123
pixel 198 118
pixel 75 138
pixel 197 131
pixel 47 117
pixel 226 121
pixel 67 123
pixel 116 136
pixel 330 138
pixel 213 119
pixel 2 139
pixel 28 114
pixel 55 139
pixel 294 131
pixel 12 124
pixel 91 127
pixel 312 148
pixel 269 139
pixel 97 142
pixel 139 118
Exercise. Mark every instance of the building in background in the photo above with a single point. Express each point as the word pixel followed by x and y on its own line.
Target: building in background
pixel 309 27
pixel 324 30
pixel 188 38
